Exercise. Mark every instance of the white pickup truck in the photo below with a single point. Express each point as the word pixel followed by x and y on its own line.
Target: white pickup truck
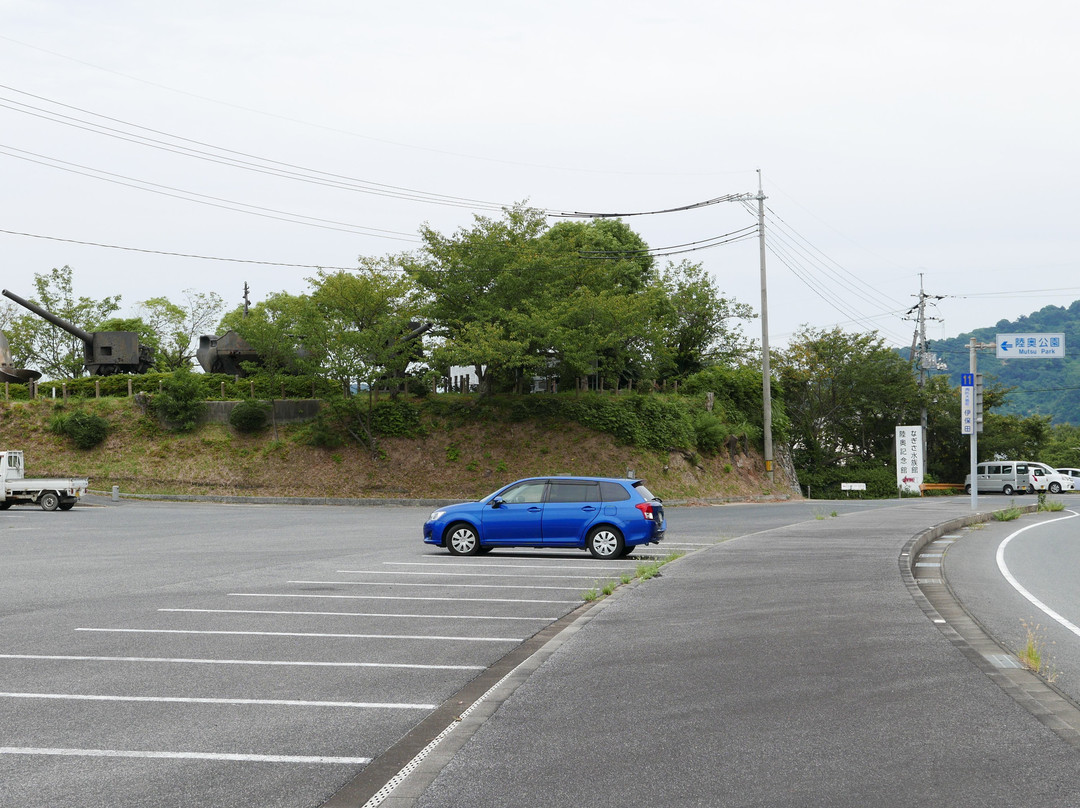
pixel 50 494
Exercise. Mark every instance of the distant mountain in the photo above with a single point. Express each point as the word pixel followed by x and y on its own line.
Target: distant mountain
pixel 1042 386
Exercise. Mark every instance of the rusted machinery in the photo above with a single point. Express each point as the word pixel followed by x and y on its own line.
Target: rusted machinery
pixel 225 354
pixel 105 352
pixel 8 371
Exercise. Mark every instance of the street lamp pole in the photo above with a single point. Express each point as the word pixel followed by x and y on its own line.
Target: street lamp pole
pixel 766 382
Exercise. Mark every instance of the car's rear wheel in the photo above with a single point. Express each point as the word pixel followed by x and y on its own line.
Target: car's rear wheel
pixel 1007 490
pixel 605 542
pixel 49 501
pixel 462 540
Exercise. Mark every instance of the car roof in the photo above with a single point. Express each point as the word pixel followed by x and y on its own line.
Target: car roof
pixel 570 478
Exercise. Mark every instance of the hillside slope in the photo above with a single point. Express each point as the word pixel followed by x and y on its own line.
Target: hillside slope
pixel 449 462
pixel 1042 386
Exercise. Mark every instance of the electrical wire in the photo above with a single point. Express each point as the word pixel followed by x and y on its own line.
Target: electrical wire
pixel 174 254
pixel 263 165
pixel 203 199
pixel 691 246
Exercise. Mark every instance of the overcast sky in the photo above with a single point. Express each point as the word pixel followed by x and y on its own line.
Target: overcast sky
pixel 894 139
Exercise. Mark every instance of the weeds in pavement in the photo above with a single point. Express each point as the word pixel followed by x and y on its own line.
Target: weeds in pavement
pixel 1007 515
pixel 1033 655
pixel 644 572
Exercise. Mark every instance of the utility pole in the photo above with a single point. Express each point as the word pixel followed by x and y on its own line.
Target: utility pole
pixel 766 382
pixel 920 356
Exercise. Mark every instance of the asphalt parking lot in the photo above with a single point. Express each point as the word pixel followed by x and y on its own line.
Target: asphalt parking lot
pixel 194 654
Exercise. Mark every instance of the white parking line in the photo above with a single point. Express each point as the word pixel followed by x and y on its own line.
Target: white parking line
pixel 303 634
pixel 362 614
pixel 394 597
pixel 441 586
pixel 120 753
pixel 465 574
pixel 367 705
pixel 271 662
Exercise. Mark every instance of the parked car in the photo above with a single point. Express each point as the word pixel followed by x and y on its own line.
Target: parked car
pixel 607 516
pixel 1017 476
pixel 1073 475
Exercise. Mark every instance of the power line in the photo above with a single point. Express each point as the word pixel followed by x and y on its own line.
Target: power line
pixel 202 199
pixel 175 254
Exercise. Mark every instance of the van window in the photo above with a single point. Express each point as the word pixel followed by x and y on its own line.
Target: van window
pixel 993 469
pixel 1006 469
pixel 1021 468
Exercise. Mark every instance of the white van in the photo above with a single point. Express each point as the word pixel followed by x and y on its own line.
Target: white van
pixel 1017 477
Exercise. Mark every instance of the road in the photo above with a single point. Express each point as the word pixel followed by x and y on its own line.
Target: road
pixel 1034 584
pixel 157 654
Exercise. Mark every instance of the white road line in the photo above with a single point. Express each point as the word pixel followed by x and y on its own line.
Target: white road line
pixel 578 567
pixel 1038 604
pixel 271 662
pixel 362 614
pixel 120 753
pixel 528 576
pixel 368 705
pixel 303 634
pixel 394 597
pixel 441 586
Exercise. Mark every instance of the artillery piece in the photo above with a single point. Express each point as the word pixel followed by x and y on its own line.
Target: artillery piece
pixel 8 371
pixel 105 352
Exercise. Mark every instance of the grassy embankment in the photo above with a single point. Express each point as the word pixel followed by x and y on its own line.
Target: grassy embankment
pixel 451 458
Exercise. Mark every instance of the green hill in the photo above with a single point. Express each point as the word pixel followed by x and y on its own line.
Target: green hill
pixel 1040 386
pixel 459 448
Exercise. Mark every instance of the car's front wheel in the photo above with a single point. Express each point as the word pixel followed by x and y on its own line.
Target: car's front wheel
pixel 1055 488
pixel 605 542
pixel 462 540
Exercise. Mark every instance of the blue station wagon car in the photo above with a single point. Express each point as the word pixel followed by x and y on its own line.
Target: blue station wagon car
pixel 607 516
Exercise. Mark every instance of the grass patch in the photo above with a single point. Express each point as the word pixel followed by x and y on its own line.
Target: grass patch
pixel 1007 515
pixel 1033 655
pixel 644 572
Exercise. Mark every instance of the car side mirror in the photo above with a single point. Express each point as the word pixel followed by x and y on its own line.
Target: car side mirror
pixel 495 503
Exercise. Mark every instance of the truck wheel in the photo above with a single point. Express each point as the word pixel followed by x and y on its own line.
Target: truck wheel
pixel 49 501
pixel 67 504
pixel 5 505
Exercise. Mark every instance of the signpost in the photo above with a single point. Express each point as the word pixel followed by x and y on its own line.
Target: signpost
pixel 909 458
pixel 1009 346
pixel 1030 346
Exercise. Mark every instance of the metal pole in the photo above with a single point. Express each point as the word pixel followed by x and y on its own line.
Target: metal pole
pixel 973 367
pixel 766 382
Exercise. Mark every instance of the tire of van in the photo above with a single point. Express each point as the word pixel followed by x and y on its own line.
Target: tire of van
pixel 1007 490
pixel 967 489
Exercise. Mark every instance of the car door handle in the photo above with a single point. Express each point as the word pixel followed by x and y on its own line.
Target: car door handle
pixel 534 509
pixel 588 508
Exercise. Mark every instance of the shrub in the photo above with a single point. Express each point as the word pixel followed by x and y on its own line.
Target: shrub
pixel 250 416
pixel 85 430
pixel 181 402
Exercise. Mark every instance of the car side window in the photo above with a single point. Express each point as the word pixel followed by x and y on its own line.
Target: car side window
pixel 573 492
pixel 613 492
pixel 526 492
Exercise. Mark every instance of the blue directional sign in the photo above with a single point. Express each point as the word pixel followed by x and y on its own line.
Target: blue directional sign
pixel 967 379
pixel 1030 346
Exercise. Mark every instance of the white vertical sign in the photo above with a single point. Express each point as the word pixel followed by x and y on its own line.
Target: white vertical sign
pixel 909 458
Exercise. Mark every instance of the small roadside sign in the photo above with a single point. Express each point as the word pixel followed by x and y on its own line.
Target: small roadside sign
pixel 1030 346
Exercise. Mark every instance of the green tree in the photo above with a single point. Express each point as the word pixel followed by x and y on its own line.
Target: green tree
pixel 36 341
pixel 513 298
pixel 360 326
pixel 700 326
pixel 844 394
pixel 274 330
pixel 177 327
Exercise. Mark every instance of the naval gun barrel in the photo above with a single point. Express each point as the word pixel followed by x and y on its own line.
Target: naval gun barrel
pixel 60 322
